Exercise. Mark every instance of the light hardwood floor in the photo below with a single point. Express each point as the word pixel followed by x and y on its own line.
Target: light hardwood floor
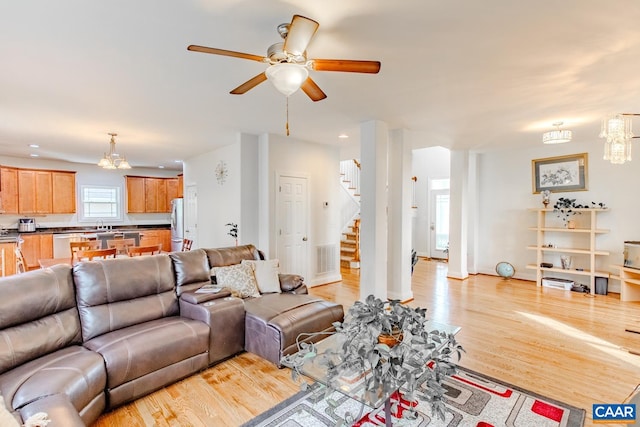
pixel 565 345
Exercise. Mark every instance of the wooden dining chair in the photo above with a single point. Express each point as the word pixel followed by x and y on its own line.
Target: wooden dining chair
pixel 85 245
pixel 145 250
pixel 186 244
pixel 122 245
pixel 89 255
pixel 21 262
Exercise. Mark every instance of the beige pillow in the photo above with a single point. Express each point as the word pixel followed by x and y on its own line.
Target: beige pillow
pixel 6 419
pixel 239 279
pixel 266 273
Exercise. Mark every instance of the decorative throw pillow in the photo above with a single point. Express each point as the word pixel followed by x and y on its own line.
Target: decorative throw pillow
pixel 6 419
pixel 239 279
pixel 266 273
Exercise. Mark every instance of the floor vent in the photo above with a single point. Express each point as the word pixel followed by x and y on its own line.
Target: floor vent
pixel 326 259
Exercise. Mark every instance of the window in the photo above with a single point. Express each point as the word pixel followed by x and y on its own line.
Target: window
pixel 100 203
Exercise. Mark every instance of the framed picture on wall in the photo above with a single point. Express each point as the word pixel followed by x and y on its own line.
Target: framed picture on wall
pixel 562 173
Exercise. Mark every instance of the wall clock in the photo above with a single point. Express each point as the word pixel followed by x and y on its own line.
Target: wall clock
pixel 505 270
pixel 222 172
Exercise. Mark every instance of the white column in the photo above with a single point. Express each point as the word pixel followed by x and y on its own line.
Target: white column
pixel 373 205
pixel 458 215
pixel 472 215
pixel 400 224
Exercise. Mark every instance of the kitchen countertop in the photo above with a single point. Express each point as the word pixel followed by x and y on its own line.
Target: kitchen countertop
pixel 12 234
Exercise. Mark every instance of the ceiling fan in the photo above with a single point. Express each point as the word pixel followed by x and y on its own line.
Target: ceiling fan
pixel 288 63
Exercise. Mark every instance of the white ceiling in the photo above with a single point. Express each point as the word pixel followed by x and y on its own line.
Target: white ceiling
pixel 461 74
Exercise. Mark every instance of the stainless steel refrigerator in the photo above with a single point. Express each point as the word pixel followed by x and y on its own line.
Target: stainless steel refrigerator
pixel 177 224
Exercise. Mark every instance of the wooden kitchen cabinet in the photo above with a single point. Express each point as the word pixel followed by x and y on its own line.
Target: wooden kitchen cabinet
pixel 36 246
pixel 180 186
pixel 135 194
pixel 155 237
pixel 9 258
pixel 34 192
pixel 150 195
pixel 63 186
pixel 9 190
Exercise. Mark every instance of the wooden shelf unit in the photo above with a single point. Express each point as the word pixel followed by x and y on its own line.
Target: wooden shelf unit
pixel 629 283
pixel 591 231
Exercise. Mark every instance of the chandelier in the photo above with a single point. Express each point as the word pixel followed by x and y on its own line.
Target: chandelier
pixel 616 129
pixel 113 160
pixel 557 136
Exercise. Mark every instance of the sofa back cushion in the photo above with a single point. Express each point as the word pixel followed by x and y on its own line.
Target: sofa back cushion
pixel 37 315
pixel 115 293
pixel 222 257
pixel 191 269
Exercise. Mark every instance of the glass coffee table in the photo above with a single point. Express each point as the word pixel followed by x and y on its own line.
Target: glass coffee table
pixel 353 386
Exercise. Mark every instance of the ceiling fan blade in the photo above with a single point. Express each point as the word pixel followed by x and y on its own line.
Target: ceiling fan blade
pixel 249 84
pixel 300 33
pixel 312 90
pixel 214 51
pixel 346 65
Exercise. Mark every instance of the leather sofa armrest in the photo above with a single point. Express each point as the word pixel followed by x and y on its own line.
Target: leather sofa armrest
pixel 59 409
pixel 194 298
pixel 291 283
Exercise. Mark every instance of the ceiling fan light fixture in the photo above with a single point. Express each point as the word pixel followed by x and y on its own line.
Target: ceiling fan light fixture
pixel 287 77
pixel 557 136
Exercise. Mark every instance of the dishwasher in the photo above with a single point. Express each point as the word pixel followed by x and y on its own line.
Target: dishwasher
pixel 61 247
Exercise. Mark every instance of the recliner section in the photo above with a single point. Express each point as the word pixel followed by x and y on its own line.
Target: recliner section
pixel 75 342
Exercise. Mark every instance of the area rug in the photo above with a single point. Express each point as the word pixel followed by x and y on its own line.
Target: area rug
pixel 472 399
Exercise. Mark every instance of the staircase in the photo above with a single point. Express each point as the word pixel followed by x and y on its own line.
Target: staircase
pixel 350 246
pixel 350 242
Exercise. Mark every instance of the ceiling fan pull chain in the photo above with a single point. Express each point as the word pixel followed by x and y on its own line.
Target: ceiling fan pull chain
pixel 287 125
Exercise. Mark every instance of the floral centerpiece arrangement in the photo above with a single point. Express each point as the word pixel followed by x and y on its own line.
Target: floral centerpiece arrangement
pixel 389 347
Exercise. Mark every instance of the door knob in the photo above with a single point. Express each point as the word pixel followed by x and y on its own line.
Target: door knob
pixel 304 239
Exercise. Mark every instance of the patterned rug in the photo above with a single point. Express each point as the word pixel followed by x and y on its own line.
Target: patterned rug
pixel 473 399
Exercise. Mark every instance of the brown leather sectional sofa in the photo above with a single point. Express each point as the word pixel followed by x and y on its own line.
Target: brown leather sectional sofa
pixel 76 341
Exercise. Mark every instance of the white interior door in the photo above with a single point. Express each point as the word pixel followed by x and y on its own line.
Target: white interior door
pixel 292 225
pixel 191 214
pixel 439 227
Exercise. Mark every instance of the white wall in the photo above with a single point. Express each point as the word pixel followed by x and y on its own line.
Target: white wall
pixel 248 197
pixel 505 193
pixel 321 163
pixel 427 164
pixel 218 203
pixel 87 174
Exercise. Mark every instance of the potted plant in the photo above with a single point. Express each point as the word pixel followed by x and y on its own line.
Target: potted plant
pixel 566 208
pixel 416 363
pixel 233 231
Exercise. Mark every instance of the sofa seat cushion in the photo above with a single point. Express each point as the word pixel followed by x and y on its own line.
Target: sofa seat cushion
pixel 138 350
pixel 74 371
pixel 274 321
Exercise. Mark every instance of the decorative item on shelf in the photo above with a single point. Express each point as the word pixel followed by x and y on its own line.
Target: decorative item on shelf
pixel 557 136
pixel 565 208
pixel 113 160
pixel 233 231
pixel 565 262
pixel 546 197
pixel 419 362
pixel 616 129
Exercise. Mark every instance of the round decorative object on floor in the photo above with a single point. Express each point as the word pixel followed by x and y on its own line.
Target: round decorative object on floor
pixel 505 270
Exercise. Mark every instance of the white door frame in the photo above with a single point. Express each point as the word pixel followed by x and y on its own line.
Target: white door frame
pixel 433 251
pixel 303 269
pixel 191 214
